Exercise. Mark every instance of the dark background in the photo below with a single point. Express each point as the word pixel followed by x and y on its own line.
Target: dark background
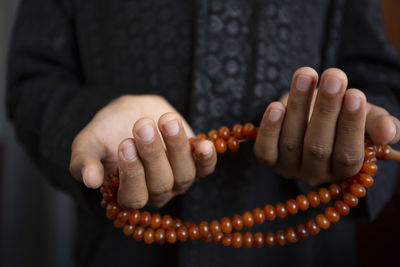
pixel 37 223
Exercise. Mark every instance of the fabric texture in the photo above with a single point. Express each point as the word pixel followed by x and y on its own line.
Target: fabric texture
pixel 218 62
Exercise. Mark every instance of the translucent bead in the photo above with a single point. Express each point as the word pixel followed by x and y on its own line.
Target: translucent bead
pixel 148 236
pixel 113 208
pixel 145 219
pixel 258 215
pixel 194 232
pixel 156 221
pixel 269 239
pixel 224 132
pixel 358 190
pixel 369 168
pixel 215 227
pixel 313 199
pixel 134 217
pixel 258 240
pixel 201 136
pixel 237 222
pixel 341 207
pixel 332 215
pixel 290 235
pixel 280 210
pixel 302 202
pixel 237 131
pixel 176 223
pixel 128 229
pixel 366 179
pixel 233 143
pixel 335 191
pixel 159 236
pixel 269 212
pixel 301 231
pixel 324 195
pixel 220 145
pixel 217 238
pixel 213 135
pixel 204 229
pixel 322 221
pixel 369 154
pixel 237 240
pixel 350 199
pixel 208 238
pixel 182 233
pixel 118 223
pixel 170 235
pixel 138 233
pixel 166 222
pixel 247 240
pixel 226 240
pixel 248 219
pixel 291 206
pixel 279 238
pixel 249 130
pixel 312 227
pixel 226 225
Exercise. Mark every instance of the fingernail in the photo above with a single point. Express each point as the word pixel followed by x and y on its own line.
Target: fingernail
pixel 129 152
pixel 393 131
pixel 332 85
pixel 83 173
pixel 303 83
pixel 352 102
pixel 171 128
pixel 274 115
pixel 146 133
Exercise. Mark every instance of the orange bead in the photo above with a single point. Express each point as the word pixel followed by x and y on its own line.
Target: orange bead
pixel 366 179
pixel 128 229
pixel 226 225
pixel 118 223
pixel 313 199
pixel 218 238
pixel 269 212
pixel 258 240
pixel 335 191
pixel 237 222
pixel 215 228
pixel 249 130
pixel 312 227
pixel 194 232
pixel 290 235
pixel 134 217
pixel 155 221
pixel 302 202
pixel 204 229
pixel 247 240
pixel 233 143
pixel 358 190
pixel 237 131
pixel 138 233
pixel 226 240
pixel 208 238
pixel 280 210
pixel 258 215
pixel 279 238
pixel 148 236
pixel 166 222
pixel 324 195
pixel 113 208
pixel 159 236
pixel 191 143
pixel 369 154
pixel 187 224
pixel 237 240
pixel 176 223
pixel 182 233
pixel 301 231
pixel 201 136
pixel 332 215
pixel 220 145
pixel 369 168
pixel 213 135
pixel 145 219
pixel 350 199
pixel 248 219
pixel 224 132
pixel 170 235
pixel 269 239
pixel 341 207
pixel 291 206
pixel 111 215
pixel 322 221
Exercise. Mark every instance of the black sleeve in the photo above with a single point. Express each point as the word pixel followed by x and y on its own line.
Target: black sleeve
pixel 373 66
pixel 47 98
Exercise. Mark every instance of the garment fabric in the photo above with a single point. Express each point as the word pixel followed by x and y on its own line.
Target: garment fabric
pixel 218 62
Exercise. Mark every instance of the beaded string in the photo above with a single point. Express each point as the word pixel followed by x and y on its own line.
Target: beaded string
pixel 154 228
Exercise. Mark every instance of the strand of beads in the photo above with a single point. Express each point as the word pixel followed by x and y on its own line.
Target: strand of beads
pixel 154 228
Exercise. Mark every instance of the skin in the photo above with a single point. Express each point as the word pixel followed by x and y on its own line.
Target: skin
pixel 315 136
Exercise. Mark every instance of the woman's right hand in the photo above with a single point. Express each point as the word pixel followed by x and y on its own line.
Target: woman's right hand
pixel 155 160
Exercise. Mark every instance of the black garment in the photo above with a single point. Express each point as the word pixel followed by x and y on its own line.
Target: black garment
pixel 218 62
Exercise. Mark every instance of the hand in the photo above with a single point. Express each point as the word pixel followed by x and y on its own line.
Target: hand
pixel 317 136
pixel 153 167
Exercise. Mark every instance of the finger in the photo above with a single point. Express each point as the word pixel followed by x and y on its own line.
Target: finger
pixel 349 144
pixel 132 191
pixel 266 145
pixel 296 118
pixel 178 151
pixel 381 127
pixel 320 133
pixel 159 176
pixel 85 163
pixel 205 156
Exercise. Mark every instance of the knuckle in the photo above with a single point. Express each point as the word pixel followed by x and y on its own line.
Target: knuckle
pixel 349 160
pixel 160 190
pixel 183 185
pixel 290 144
pixel 319 152
pixel 326 109
pixel 133 204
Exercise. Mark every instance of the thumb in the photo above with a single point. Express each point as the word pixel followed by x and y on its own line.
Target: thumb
pixel 381 127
